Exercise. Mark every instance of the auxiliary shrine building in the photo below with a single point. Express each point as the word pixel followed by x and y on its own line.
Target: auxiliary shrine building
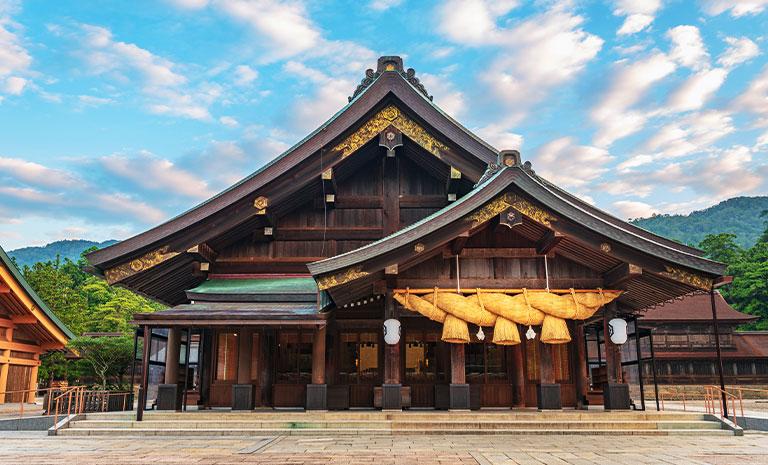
pixel 393 259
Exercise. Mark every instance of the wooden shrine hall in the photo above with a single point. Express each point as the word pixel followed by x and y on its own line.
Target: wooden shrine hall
pixel 392 259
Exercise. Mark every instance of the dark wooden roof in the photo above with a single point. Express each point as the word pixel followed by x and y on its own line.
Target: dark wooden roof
pixel 234 314
pixel 695 308
pixel 387 87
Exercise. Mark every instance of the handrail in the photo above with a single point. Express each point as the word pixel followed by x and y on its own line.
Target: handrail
pixel 710 400
pixel 25 398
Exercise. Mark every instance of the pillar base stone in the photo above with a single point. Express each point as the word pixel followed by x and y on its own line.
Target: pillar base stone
pixel 242 397
pixel 548 396
pixel 317 397
pixel 459 397
pixel 168 397
pixel 616 397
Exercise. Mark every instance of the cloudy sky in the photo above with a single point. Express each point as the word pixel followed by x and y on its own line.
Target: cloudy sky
pixel 116 115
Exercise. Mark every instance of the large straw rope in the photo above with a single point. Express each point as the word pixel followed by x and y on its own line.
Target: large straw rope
pixel 528 308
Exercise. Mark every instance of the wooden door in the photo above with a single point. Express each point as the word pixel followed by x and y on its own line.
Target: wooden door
pixel 225 349
pixel 18 380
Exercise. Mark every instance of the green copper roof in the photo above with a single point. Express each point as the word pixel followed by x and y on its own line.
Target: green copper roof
pixel 257 286
pixel 40 303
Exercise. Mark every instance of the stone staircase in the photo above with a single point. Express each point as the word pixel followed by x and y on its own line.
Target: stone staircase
pixel 273 423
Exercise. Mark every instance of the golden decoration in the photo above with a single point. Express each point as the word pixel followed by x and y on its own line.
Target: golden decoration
pixel 605 247
pixel 350 274
pixel 390 115
pixel 687 277
pixel 138 265
pixel 260 204
pixel 418 248
pixel 505 201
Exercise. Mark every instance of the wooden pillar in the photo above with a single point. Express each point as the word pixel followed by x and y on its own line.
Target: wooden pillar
pixel 206 368
pixel 172 356
pixel 612 354
pixel 318 355
pixel 244 350
pixel 391 352
pixel 579 358
pixel 518 376
pixel 5 366
pixel 546 370
pixel 32 395
pixel 458 369
pixel 144 375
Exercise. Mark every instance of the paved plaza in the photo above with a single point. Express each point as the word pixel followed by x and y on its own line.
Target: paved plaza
pixel 37 449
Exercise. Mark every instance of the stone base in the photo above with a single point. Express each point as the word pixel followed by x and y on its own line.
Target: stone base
pixel 459 396
pixel 317 397
pixel 242 397
pixel 168 397
pixel 391 397
pixel 548 397
pixel 616 397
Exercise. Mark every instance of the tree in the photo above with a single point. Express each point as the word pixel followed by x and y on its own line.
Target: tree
pixel 722 248
pixel 108 356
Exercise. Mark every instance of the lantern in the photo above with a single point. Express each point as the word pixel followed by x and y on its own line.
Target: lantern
pixel 391 331
pixel 617 330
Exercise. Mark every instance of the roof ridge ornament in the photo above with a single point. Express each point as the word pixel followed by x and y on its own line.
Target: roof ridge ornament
pixel 390 64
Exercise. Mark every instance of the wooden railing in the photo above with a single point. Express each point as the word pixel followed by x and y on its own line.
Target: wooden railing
pixel 73 400
pixel 724 403
pixel 26 394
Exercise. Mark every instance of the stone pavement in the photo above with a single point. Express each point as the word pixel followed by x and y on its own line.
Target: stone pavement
pixel 37 449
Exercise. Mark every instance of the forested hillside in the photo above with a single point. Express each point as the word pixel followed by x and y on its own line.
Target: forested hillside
pixel 739 216
pixel 71 249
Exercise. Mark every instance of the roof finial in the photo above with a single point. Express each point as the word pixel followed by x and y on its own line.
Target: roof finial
pixel 390 64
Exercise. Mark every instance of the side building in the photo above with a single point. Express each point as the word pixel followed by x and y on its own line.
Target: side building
pixel 28 328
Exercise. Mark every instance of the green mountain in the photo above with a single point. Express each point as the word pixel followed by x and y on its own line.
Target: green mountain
pixel 71 248
pixel 739 215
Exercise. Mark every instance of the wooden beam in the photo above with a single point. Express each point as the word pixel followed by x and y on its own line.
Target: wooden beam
pixel 391 212
pixel 493 252
pixel 203 252
pixel 621 274
pixel 318 234
pixel 24 319
pixel 5 323
pixel 452 184
pixel 458 244
pixel 4 288
pixel 548 242
pixel 20 361
pixel 18 346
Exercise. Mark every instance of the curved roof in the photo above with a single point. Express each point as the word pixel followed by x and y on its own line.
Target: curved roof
pixel 591 218
pixel 390 82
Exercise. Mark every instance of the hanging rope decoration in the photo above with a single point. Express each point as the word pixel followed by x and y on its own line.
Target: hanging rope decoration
pixel 504 312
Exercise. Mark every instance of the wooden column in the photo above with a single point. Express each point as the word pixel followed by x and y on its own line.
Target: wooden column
pixel 172 356
pixel 318 355
pixel 518 376
pixel 612 354
pixel 546 371
pixel 579 363
pixel 458 369
pixel 244 350
pixel 5 366
pixel 391 180
pixel 144 375
pixel 391 352
pixel 31 396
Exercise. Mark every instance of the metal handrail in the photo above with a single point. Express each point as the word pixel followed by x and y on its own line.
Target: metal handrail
pixel 712 390
pixel 671 392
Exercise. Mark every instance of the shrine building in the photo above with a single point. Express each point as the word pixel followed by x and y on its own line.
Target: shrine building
pixel 392 259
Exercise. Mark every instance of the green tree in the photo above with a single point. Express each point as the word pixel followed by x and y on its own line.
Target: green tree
pixel 722 248
pixel 107 356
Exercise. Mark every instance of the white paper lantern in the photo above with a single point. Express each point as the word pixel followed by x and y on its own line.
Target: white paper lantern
pixel 617 330
pixel 391 331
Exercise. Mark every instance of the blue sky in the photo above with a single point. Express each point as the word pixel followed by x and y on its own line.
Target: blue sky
pixel 115 116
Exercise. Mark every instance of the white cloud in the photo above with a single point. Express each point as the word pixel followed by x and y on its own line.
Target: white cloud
pixel 500 137
pixel 565 163
pixel 153 173
pixel 381 5
pixel 190 4
pixel 688 48
pixel 755 98
pixel 285 26
pixel 692 134
pixel 91 100
pixel 167 90
pixel 473 22
pixel 123 204
pixel 622 187
pixel 229 121
pixel 614 114
pixel 35 173
pixel 740 50
pixel 15 60
pixel 245 75
pixel 330 95
pixel 639 14
pixel 737 8
pixel 554 48
pixel 634 209
pixel 697 90
pixel 446 96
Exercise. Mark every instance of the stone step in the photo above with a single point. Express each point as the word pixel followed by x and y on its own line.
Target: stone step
pixel 356 432
pixel 396 424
